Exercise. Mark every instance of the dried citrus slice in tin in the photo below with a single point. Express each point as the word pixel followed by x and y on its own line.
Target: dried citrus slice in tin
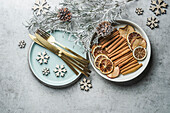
pixel 139 53
pixel 98 59
pixel 106 66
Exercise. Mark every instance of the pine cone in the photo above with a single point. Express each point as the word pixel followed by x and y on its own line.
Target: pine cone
pixel 104 28
pixel 64 14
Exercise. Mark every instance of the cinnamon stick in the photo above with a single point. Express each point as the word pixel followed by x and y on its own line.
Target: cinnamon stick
pixel 128 64
pixel 119 51
pixel 124 58
pixel 129 67
pixel 119 55
pixel 126 61
pixel 107 43
pixel 132 69
pixel 107 38
pixel 124 44
pixel 116 41
pixel 116 45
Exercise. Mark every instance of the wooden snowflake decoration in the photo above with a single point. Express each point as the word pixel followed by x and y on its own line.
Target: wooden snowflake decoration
pixel 41 7
pixel 152 22
pixel 85 84
pixel 46 71
pixel 42 58
pixel 157 7
pixel 60 71
pixel 139 11
pixel 22 44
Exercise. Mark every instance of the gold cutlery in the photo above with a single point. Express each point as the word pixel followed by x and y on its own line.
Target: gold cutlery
pixel 51 40
pixel 70 62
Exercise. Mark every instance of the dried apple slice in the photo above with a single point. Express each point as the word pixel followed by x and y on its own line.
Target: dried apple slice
pixel 138 42
pixel 124 31
pixel 115 73
pixel 143 43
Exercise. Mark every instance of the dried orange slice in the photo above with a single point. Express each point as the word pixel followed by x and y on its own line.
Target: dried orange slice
pixel 124 31
pixel 132 36
pixel 139 53
pixel 106 66
pixel 98 59
pixel 97 49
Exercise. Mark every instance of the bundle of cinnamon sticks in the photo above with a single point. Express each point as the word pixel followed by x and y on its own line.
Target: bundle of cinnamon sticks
pixel 119 52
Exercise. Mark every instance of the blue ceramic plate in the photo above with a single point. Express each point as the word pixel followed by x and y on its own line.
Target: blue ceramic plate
pixel 51 79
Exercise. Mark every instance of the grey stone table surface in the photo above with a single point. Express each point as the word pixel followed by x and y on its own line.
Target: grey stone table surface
pixel 20 92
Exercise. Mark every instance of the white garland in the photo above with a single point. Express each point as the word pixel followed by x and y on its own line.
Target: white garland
pixel 86 15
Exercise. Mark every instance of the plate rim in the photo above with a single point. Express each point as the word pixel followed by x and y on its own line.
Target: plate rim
pixel 46 83
pixel 148 55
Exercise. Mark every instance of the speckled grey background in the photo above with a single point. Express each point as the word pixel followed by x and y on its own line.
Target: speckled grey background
pixel 20 92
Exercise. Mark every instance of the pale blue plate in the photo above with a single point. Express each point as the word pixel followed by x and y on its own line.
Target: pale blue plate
pixel 51 79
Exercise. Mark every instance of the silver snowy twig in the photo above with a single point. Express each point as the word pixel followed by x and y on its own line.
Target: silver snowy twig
pixel 86 15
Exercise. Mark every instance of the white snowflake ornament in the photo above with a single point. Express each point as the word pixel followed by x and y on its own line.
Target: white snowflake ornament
pixel 139 11
pixel 60 70
pixel 42 57
pixel 22 44
pixel 152 22
pixel 157 7
pixel 46 71
pixel 85 84
pixel 41 7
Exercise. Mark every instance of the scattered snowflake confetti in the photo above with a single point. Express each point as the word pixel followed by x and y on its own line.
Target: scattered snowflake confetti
pixel 152 22
pixel 157 7
pixel 60 71
pixel 85 84
pixel 41 7
pixel 42 57
pixel 139 11
pixel 46 71
pixel 22 44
